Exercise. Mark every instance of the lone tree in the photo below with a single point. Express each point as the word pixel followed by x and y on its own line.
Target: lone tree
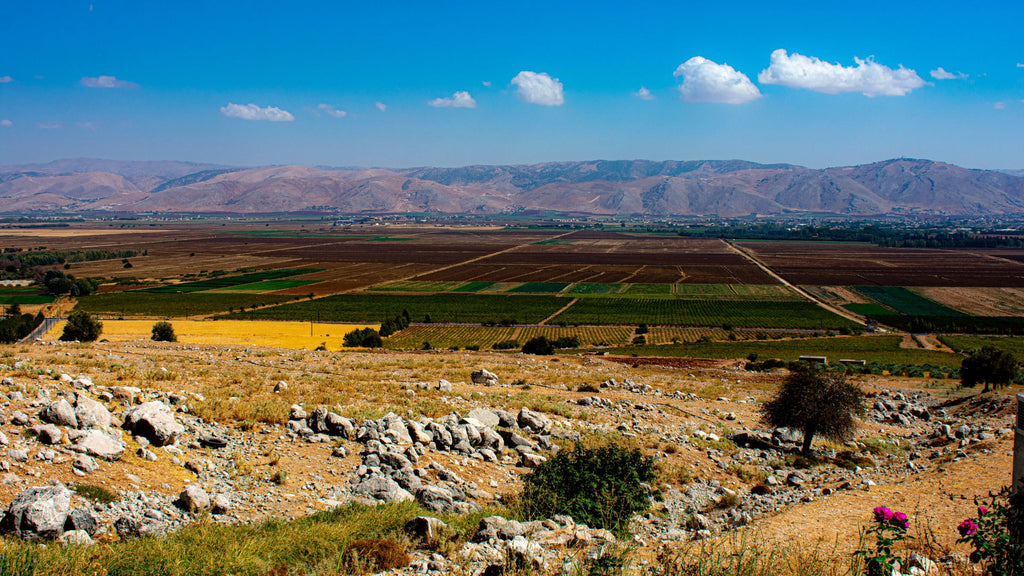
pixel 540 346
pixel 82 326
pixel 164 332
pixel 815 402
pixel 987 366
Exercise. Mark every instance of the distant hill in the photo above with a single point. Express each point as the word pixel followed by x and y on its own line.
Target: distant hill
pixel 601 187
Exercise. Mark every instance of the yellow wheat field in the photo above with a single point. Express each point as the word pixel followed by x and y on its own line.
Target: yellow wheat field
pixel 295 335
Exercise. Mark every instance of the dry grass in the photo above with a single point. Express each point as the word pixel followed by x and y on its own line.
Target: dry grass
pixel 295 335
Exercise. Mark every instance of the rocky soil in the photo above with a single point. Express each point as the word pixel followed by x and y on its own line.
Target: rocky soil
pixel 118 441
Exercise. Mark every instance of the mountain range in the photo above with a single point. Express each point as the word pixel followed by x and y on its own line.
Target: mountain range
pixel 601 187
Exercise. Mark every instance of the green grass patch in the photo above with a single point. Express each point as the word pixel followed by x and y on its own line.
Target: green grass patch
pixel 906 302
pixel 883 349
pixel 472 308
pixel 141 303
pixel 678 312
pixel 10 296
pixel 539 288
pixel 312 545
pixel 228 281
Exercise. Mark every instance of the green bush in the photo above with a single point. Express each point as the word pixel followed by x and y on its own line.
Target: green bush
pixel 600 487
pixel 363 338
pixel 540 346
pixel 81 326
pixel 164 332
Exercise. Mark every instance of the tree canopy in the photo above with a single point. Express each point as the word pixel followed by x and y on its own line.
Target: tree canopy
pixel 988 366
pixel 815 402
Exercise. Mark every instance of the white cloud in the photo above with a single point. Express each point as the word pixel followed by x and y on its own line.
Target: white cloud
pixel 49 125
pixel 486 83
pixel 331 111
pixel 534 88
pixel 5 123
pixel 644 94
pixel 999 105
pixel 106 82
pixel 381 106
pixel 867 77
pixel 707 81
pixel 87 125
pixel 254 112
pixel 940 73
pixel 1019 65
pixel 6 79
pixel 460 99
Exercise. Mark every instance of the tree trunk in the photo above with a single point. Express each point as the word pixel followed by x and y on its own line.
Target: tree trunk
pixel 808 438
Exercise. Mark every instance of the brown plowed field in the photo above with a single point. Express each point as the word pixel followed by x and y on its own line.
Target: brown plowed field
pixel 863 264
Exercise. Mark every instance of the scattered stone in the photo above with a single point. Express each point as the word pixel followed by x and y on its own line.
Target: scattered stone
pixel 48 434
pixel 153 421
pixel 90 413
pixel 426 529
pixel 99 444
pixel 60 413
pixel 281 386
pixel 84 464
pixel 193 499
pixel 220 504
pixel 484 377
pixel 76 538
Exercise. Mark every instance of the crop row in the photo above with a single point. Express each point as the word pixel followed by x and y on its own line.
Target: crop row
pixel 906 302
pixel 139 303
pixel 672 312
pixel 228 281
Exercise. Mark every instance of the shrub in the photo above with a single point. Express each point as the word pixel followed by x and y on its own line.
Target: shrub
pixel 95 492
pixel 81 326
pixel 540 346
pixel 374 555
pixel 600 487
pixel 363 338
pixel 506 345
pixel 993 533
pixel 164 332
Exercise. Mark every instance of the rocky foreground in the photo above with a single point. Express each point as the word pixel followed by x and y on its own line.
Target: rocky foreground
pixel 89 457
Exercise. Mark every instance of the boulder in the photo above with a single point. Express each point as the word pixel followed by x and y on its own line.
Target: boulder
pixel 484 377
pixel 532 420
pixel 220 504
pixel 297 413
pixel 84 465
pixel 90 413
pixel 395 429
pixel 486 417
pixel 153 421
pixel 338 425
pixel 60 413
pixel 83 519
pixel 39 512
pixel 382 488
pixel 76 538
pixel 100 445
pixel 48 433
pixel 426 529
pixel 318 420
pixel 193 499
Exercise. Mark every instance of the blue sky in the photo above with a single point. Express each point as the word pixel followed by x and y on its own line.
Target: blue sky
pixel 454 83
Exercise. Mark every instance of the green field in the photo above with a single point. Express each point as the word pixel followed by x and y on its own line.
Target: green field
pixel 142 303
pixel 594 288
pixel 884 349
pixel 673 312
pixel 539 288
pixel 869 309
pixel 648 289
pixel 413 337
pixel 228 281
pixel 416 286
pixel 23 295
pixel 266 286
pixel 1012 345
pixel 471 308
pixel 906 302
pixel 476 286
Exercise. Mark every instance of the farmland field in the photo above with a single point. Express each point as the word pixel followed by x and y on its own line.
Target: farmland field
pixel 853 264
pixel 445 336
pixel 440 307
pixel 594 288
pixel 266 286
pixel 870 348
pixel 160 305
pixel 648 289
pixel 1003 301
pixel 296 335
pixel 414 286
pixel 906 302
pixel 23 295
pixel 539 288
pixel 473 287
pixel 227 281
pixel 1014 346
pixel 869 309
pixel 747 314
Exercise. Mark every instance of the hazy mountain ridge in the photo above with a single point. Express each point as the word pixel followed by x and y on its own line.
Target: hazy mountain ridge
pixel 602 187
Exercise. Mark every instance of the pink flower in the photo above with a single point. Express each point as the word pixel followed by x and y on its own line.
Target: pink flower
pixel 900 519
pixel 967 528
pixel 982 510
pixel 883 514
